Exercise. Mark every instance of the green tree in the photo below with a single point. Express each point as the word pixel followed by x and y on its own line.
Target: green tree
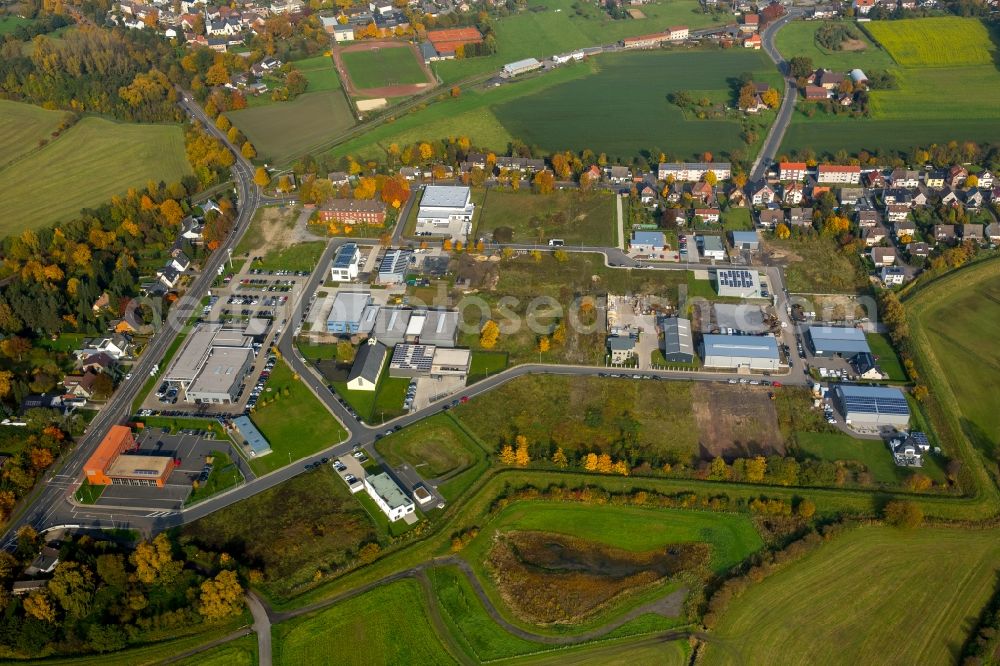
pixel 903 514
pixel 72 586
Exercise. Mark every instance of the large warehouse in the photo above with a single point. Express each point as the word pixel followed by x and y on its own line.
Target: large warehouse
pixel 873 405
pixel 755 352
pixel 677 343
pixel 445 208
pixel 212 363
pixel 832 340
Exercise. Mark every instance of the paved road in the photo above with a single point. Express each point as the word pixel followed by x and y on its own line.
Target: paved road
pixel 50 506
pixel 772 144
pixel 262 627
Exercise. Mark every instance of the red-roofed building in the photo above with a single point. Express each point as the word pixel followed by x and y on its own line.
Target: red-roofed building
pixel 111 464
pixel 645 41
pixel 791 170
pixel 752 42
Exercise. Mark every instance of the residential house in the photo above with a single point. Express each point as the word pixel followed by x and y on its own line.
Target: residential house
pixel 974 199
pixel 852 196
pixel 703 192
pixel 99 362
pixel 792 170
pixel 903 228
pixel 873 179
pixel 353 211
pixel 892 276
pixel 339 178
pixel 367 366
pixel 410 173
pixel 753 42
pixel 919 198
pixel 694 171
pixel 898 196
pixel 828 79
pixel 800 217
pixel 868 219
pixel 751 23
pixel 708 215
pixel 993 232
pixel 865 366
pixel 950 198
pixel 935 179
pixel 905 178
pixel 986 179
pixel 619 175
pixel 169 276
pixel 737 198
pixel 621 348
pixel 896 212
pixel 956 176
pixel 883 256
pixel 82 386
pixel 862 7
pixel 944 232
pixel 676 215
pixel 816 93
pixel 179 261
pixel 770 218
pixel 970 232
pixel 647 242
pixel 874 235
pixel 763 194
pixel 918 249
pixel 647 195
pixel 103 302
pixel 835 173
pixel 793 194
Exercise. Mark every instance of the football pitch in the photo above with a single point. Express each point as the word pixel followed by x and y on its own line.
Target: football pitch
pixel 382 67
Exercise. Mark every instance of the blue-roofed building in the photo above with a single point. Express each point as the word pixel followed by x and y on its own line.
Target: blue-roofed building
pixel 647 242
pixel 754 352
pixel 873 405
pixel 746 240
pixel 346 263
pixel 252 437
pixel 833 340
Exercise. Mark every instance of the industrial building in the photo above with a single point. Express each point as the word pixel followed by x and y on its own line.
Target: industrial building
pixel 834 340
pixel 346 313
pixel 367 366
pixel 451 362
pixel 745 240
pixel 753 352
pixel 737 283
pixel 110 463
pixel 346 263
pixel 441 206
pixel 873 405
pixel 440 328
pixel 388 496
pixel 711 247
pixel 252 437
pixel 391 325
pixel 678 345
pixel 520 67
pixel 394 265
pixel 212 363
pixel 411 360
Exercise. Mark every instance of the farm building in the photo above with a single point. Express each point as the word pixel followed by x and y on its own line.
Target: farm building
pixel 678 345
pixel 842 340
pixel 737 283
pixel 345 315
pixel 345 263
pixel 873 405
pixel 367 366
pixel 753 352
pixel 521 67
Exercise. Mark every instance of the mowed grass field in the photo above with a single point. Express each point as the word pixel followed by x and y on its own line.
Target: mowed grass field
pixel 387 625
pixel 622 109
pixel 87 165
pixel 579 218
pixel 799 38
pixel 943 41
pixel 285 131
pixel 433 447
pixel 557 26
pixel 872 595
pixel 383 67
pixel 958 324
pixel 22 126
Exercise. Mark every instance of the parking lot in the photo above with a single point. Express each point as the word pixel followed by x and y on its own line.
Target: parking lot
pixel 190 449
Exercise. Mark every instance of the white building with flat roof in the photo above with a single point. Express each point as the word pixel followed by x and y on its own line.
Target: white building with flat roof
pixel 388 496
pixel 346 263
pixel 221 375
pixel 445 209
pixel 753 352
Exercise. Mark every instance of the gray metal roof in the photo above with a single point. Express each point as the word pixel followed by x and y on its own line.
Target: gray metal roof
pixel 348 306
pixel 368 362
pixel 838 340
pixel 253 437
pixel 445 196
pixel 620 343
pixel 750 346
pixel 677 336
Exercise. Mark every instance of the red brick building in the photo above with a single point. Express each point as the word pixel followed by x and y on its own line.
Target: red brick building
pixel 353 211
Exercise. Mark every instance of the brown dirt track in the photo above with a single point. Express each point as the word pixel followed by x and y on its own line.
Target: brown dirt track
pixel 386 91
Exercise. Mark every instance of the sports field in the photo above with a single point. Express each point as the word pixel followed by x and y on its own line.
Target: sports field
pixel 873 595
pixel 944 41
pixel 9 24
pixel 319 72
pixel 579 218
pixel 961 320
pixel 87 165
pixel 387 625
pixel 623 109
pixel 283 132
pixel 557 26
pixel 378 68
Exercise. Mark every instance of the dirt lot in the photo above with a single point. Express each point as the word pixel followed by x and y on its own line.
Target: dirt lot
pixel 277 227
pixel 735 421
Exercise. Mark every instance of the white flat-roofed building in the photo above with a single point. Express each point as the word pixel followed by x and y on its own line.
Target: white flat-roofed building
pixel 415 325
pixel 221 376
pixel 445 209
pixel 738 282
pixel 450 362
pixel 694 171
pixel 388 496
pixel 346 263
pixel 753 352
pixel 346 314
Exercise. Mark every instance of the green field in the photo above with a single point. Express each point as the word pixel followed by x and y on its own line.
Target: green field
pixel 557 26
pixel 224 475
pixel 298 257
pixel 23 126
pixel 888 359
pixel 583 414
pixel 566 116
pixel 296 425
pixel 387 625
pixel 798 38
pixel 383 67
pixel 957 323
pixel 944 41
pixel 817 266
pixel 241 652
pixel 931 103
pixel 284 132
pixel 732 537
pixel 579 218
pixel 9 24
pixel 433 447
pixel 484 363
pixel 834 446
pixel 873 595
pixel 319 72
pixel 93 161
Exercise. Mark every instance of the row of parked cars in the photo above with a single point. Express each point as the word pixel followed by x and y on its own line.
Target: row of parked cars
pixel 265 374
pixel 261 271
